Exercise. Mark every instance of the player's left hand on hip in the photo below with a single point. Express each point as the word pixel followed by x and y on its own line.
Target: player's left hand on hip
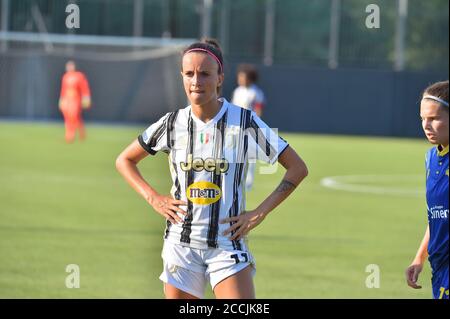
pixel 242 224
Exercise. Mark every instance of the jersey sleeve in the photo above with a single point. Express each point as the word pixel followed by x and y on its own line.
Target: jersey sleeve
pixel 63 87
pixel 259 97
pixel 264 143
pixel 154 138
pixel 234 96
pixel 84 86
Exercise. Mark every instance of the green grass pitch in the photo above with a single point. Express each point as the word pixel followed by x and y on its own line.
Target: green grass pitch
pixel 66 204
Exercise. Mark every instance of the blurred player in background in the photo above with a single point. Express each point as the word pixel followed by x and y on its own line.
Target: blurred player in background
pixel 206 218
pixel 434 111
pixel 75 96
pixel 249 96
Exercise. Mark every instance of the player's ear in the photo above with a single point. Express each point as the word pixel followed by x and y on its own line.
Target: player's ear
pixel 221 78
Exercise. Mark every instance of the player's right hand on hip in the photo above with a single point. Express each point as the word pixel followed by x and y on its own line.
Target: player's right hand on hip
pixel 168 207
pixel 412 274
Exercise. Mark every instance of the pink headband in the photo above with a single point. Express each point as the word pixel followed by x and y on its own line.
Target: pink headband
pixel 209 53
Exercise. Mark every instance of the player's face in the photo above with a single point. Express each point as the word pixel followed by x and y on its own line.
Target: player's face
pixel 70 67
pixel 200 78
pixel 242 79
pixel 434 122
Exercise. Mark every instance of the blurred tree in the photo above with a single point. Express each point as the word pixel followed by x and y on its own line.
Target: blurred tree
pixel 302 31
pixel 302 28
pixel 361 46
pixel 427 35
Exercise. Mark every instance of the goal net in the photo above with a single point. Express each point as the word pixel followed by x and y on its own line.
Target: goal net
pixel 131 79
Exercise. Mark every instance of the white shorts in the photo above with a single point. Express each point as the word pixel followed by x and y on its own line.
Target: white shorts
pixel 189 269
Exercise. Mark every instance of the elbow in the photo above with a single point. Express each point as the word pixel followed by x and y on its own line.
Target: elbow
pixel 119 163
pixel 303 171
pixel 123 163
pixel 296 167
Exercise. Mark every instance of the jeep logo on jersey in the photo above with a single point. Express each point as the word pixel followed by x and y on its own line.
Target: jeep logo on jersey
pixel 210 165
pixel 203 193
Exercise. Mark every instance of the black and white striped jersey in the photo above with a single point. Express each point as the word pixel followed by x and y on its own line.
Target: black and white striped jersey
pixel 208 164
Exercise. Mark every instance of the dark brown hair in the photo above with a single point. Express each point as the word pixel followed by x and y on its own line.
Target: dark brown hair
pixel 249 70
pixel 439 90
pixel 211 45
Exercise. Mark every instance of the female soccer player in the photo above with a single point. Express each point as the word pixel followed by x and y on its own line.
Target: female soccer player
pixel 75 96
pixel 208 144
pixel 434 113
pixel 249 96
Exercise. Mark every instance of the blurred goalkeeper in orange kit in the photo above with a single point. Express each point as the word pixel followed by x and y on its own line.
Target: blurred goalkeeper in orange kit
pixel 75 96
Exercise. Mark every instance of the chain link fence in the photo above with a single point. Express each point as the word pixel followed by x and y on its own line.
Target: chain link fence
pixel 324 33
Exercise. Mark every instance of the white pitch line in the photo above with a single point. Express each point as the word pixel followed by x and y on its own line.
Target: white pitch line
pixel 348 183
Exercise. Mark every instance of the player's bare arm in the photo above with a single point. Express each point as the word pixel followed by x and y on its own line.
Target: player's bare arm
pixel 126 164
pixel 296 171
pixel 413 271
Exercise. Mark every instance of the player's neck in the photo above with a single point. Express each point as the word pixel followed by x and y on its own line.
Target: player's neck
pixel 206 112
